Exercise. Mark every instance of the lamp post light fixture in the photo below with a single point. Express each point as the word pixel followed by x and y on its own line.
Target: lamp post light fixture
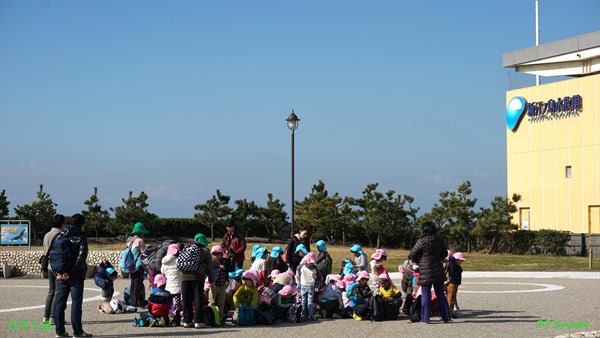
pixel 292 123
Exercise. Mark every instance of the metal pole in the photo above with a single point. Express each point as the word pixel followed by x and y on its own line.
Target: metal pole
pixel 537 33
pixel 292 224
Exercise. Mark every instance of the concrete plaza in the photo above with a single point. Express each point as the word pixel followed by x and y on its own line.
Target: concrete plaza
pixel 493 304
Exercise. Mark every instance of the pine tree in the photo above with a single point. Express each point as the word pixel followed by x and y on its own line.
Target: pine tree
pixel 40 213
pixel 96 218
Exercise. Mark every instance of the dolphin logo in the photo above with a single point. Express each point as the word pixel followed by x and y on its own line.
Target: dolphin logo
pixel 517 107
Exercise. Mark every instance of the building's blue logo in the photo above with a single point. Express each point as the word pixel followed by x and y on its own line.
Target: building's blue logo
pixel 515 111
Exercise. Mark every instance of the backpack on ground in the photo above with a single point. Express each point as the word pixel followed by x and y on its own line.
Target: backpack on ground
pixel 62 255
pixel 246 316
pixel 148 320
pixel 212 316
pixel 391 308
pixel 377 309
pixel 127 260
pixel 189 258
pixel 265 318
pixel 294 313
pixel 149 255
pixel 415 310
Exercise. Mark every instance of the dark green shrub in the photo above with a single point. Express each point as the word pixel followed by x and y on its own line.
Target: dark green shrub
pixel 517 242
pixel 552 241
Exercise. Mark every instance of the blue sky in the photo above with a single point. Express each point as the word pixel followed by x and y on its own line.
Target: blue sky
pixel 181 98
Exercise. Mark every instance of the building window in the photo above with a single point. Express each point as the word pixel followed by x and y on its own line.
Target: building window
pixel 568 172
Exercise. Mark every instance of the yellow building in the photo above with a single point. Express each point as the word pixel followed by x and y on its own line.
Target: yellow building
pixel 553 136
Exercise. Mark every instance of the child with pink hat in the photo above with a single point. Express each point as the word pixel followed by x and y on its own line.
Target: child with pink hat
pixel 282 301
pixel 455 280
pixel 221 269
pixel 272 276
pixel 173 276
pixel 307 276
pixel 376 263
pixel 159 302
pixel 332 301
pixel 247 294
pixel 359 294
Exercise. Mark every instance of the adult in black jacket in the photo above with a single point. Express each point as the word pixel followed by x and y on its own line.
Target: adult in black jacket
pixel 72 281
pixel 291 256
pixel 429 252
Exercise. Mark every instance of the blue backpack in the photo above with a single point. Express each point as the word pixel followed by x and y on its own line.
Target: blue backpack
pixel 246 316
pixel 62 255
pixel 127 261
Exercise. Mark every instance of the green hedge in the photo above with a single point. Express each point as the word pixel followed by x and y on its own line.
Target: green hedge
pixel 552 241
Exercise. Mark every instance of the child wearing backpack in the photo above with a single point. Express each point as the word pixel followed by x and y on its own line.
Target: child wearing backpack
pixel 173 276
pixel 245 299
pixel 307 277
pixel 152 259
pixel 324 260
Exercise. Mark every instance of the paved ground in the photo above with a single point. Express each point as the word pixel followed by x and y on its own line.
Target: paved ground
pixel 493 305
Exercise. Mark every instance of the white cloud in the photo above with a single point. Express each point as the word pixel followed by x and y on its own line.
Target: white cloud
pixel 165 191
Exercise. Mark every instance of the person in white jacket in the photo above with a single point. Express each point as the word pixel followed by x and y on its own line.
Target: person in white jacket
pixel 173 275
pixel 307 276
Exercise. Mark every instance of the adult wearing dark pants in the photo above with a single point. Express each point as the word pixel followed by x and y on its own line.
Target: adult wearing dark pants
pixel 59 221
pixel 72 281
pixel 429 252
pixel 192 283
pixel 136 285
pixel 292 257
pixel 234 245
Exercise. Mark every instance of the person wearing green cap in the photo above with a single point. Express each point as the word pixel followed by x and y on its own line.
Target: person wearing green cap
pixel 136 285
pixel 192 282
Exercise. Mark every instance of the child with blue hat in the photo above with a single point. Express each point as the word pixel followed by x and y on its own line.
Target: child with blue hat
pixel 324 260
pixel 275 260
pixel 259 259
pixel 254 251
pixel 361 262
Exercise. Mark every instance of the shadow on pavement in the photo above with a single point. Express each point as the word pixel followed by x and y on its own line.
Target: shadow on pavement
pixel 493 316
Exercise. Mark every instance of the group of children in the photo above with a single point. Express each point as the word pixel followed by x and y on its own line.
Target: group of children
pixel 270 292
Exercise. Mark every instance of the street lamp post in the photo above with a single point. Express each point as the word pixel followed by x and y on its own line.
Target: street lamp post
pixel 292 123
